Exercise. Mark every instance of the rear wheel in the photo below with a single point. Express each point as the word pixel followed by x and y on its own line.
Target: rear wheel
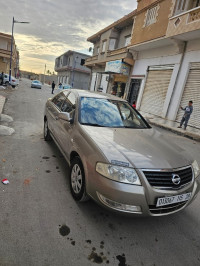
pixel 77 180
pixel 47 135
pixel 6 83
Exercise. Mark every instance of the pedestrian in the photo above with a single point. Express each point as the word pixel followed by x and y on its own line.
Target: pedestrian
pixel 188 110
pixel 53 87
pixel 134 104
pixel 114 88
pixel 60 87
pixel 2 78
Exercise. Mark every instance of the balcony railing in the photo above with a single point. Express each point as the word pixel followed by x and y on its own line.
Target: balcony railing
pixel 92 58
pixel 117 51
pixel 194 15
pixel 184 22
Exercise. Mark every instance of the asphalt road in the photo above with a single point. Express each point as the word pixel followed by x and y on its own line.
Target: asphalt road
pixel 40 223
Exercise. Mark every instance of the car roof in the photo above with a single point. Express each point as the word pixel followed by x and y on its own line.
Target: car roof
pixel 92 94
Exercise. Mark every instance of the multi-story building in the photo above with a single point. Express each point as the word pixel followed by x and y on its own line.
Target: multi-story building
pixel 5 47
pixel 71 70
pixel 111 62
pixel 165 45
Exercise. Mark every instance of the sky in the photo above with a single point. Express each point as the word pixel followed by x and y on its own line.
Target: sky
pixel 57 26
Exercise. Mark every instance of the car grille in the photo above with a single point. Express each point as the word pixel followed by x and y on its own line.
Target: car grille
pixel 166 209
pixel 162 179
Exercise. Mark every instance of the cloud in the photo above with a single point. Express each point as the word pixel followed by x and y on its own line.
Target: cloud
pixel 56 26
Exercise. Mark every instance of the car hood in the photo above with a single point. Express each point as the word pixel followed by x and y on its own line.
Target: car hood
pixel 139 148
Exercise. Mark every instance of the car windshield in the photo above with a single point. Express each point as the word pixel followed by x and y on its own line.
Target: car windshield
pixel 35 81
pixel 109 113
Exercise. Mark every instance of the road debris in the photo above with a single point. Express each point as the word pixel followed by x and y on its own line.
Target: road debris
pixel 5 181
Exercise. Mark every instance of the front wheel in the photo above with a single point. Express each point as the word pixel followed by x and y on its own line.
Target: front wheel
pixel 47 135
pixel 77 180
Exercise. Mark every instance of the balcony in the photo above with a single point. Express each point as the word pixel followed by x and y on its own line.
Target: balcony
pixel 121 53
pixel 117 51
pixel 91 60
pixel 183 23
pixel 58 68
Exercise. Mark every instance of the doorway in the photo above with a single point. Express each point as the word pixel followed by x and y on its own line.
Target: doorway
pixel 134 90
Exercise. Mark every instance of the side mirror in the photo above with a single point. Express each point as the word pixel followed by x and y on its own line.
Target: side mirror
pixel 148 120
pixel 65 116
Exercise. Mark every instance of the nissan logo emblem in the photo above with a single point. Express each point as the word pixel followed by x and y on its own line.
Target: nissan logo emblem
pixel 176 180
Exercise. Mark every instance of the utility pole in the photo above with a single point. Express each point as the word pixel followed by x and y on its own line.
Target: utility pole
pixel 11 49
pixel 44 72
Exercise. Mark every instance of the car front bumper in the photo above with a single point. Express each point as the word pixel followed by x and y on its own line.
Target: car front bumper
pixel 137 200
pixel 36 86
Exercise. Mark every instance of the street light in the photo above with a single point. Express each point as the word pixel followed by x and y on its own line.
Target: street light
pixel 13 22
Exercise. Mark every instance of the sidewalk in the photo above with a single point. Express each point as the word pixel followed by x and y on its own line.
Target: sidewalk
pixel 2 102
pixel 190 132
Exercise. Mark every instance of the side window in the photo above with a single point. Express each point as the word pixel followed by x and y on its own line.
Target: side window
pixel 69 103
pixel 151 15
pixel 59 99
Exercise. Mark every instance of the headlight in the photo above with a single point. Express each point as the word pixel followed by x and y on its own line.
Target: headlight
pixel 118 173
pixel 195 168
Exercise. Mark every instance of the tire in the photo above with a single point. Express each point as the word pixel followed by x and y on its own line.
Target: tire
pixel 13 86
pixel 77 180
pixel 47 135
pixel 6 83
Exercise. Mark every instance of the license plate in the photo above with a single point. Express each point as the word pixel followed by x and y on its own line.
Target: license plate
pixel 173 199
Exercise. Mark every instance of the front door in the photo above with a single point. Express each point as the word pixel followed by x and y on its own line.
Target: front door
pixel 134 90
pixel 64 128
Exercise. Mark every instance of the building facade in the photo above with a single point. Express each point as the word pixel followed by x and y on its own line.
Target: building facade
pixel 5 49
pixel 166 48
pixel 111 62
pixel 71 70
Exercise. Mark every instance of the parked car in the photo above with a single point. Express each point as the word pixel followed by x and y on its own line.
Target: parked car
pixel 36 84
pixel 116 157
pixel 13 82
pixel 66 86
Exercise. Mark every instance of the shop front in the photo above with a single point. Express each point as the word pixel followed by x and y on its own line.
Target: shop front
pixel 118 77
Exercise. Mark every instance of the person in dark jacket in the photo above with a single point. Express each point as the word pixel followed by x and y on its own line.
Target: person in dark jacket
pixel 53 87
pixel 1 78
pixel 188 111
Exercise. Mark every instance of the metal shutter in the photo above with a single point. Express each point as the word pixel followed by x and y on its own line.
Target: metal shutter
pixel 192 92
pixel 155 91
pixel 93 81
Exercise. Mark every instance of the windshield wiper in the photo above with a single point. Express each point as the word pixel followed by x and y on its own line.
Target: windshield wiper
pixel 91 124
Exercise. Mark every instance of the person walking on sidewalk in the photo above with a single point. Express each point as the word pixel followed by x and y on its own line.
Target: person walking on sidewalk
pixel 53 87
pixel 188 110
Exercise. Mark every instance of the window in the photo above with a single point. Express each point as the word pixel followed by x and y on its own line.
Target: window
pixel 58 100
pixel 104 47
pixel 151 16
pixel 109 113
pixel 127 40
pixel 112 44
pixel 69 103
pixel 97 50
pixel 181 6
pixel 195 3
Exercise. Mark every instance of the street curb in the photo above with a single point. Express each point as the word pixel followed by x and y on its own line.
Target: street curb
pixel 2 102
pixel 186 134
